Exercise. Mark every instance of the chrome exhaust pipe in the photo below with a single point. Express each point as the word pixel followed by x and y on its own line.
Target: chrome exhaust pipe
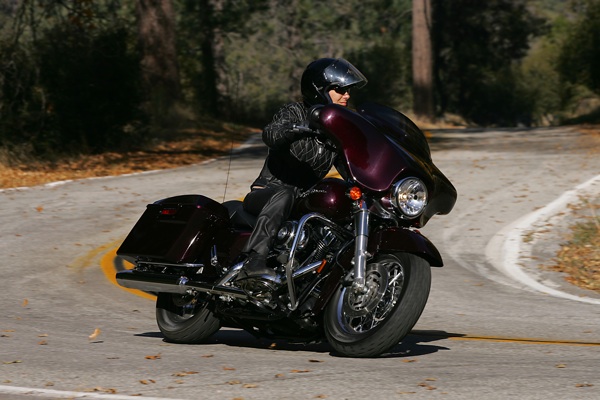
pixel 150 282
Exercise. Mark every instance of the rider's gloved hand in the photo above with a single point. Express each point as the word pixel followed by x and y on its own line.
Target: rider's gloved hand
pixel 303 128
pixel 309 127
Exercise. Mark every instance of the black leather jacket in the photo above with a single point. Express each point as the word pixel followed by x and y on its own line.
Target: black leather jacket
pixel 299 160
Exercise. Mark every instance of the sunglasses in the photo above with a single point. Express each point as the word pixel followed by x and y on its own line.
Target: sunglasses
pixel 342 90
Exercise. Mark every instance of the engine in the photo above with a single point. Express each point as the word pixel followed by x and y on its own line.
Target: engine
pixel 315 242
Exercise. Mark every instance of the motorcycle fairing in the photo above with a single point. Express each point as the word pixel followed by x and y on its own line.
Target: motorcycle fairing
pixel 380 145
pixel 372 159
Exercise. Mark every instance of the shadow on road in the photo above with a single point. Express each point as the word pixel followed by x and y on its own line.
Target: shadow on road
pixel 414 344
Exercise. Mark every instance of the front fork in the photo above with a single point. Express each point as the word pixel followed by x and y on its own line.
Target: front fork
pixel 361 229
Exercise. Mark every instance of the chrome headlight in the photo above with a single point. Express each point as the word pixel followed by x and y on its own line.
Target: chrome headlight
pixel 409 196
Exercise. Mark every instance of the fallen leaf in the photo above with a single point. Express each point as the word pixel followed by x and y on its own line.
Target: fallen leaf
pixel 39 208
pixel 25 302
pixel 101 389
pixel 185 373
pixel 94 335
pixel 584 385
pixel 12 362
pixel 409 361
pixel 560 366
pixel 427 386
pixel 299 371
pixel 234 382
pixel 43 335
pixel 250 385
pixel 154 357
pixel 207 356
pixel 315 361
pixel 228 369
pixel 42 342
pixel 279 375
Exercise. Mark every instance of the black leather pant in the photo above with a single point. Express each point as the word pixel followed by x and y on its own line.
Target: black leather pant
pixel 273 205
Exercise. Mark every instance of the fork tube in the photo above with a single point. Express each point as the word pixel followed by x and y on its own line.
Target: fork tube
pixel 361 226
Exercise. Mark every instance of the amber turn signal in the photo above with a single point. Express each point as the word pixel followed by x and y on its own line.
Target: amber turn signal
pixel 355 193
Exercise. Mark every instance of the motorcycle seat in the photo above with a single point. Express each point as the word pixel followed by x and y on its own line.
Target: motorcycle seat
pixel 239 217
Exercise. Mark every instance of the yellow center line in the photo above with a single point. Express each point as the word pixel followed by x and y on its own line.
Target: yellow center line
pixel 107 263
pixel 525 341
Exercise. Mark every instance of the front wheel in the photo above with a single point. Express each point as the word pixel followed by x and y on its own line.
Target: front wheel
pixel 370 324
pixel 181 319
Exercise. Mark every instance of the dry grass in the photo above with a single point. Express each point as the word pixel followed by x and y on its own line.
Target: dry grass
pixel 579 257
pixel 188 147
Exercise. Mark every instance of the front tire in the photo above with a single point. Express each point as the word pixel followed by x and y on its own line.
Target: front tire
pixel 182 320
pixel 370 324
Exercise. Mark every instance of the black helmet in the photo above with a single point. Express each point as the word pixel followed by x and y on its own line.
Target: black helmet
pixel 321 75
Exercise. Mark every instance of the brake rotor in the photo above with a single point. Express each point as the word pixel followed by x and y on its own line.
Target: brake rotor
pixel 360 304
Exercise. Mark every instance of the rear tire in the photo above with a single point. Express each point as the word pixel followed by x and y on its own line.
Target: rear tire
pixel 371 324
pixel 182 320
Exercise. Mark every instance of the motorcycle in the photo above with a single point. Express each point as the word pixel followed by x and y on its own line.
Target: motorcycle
pixel 353 268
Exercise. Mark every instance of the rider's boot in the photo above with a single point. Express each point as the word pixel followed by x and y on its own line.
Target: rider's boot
pixel 255 267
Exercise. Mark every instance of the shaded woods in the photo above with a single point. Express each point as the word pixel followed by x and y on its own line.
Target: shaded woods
pixel 88 76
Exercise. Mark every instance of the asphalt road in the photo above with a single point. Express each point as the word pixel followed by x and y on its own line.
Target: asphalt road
pixel 495 327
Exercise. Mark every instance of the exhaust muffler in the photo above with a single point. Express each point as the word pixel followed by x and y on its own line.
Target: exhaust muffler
pixel 159 283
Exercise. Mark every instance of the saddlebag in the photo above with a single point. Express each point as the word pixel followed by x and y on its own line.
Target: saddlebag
pixel 175 230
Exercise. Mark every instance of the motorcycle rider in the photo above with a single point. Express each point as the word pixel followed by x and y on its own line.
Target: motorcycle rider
pixel 298 158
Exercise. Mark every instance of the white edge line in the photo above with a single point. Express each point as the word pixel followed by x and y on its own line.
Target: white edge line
pixel 504 250
pixel 71 395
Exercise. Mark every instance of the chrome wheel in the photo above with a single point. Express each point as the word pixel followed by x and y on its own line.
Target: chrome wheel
pixel 360 312
pixel 371 323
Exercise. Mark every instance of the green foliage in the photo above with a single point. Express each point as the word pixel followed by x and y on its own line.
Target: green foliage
pixel 579 60
pixel 70 78
pixel 22 102
pixel 476 44
pixel 265 63
pixel 91 82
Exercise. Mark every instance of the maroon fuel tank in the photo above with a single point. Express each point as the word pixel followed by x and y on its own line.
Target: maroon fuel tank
pixel 327 197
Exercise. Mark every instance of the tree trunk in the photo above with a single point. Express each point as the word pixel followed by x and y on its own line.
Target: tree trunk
pixel 422 60
pixel 213 59
pixel 160 70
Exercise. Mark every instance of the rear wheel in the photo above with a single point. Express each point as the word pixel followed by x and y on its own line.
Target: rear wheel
pixel 369 324
pixel 181 319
